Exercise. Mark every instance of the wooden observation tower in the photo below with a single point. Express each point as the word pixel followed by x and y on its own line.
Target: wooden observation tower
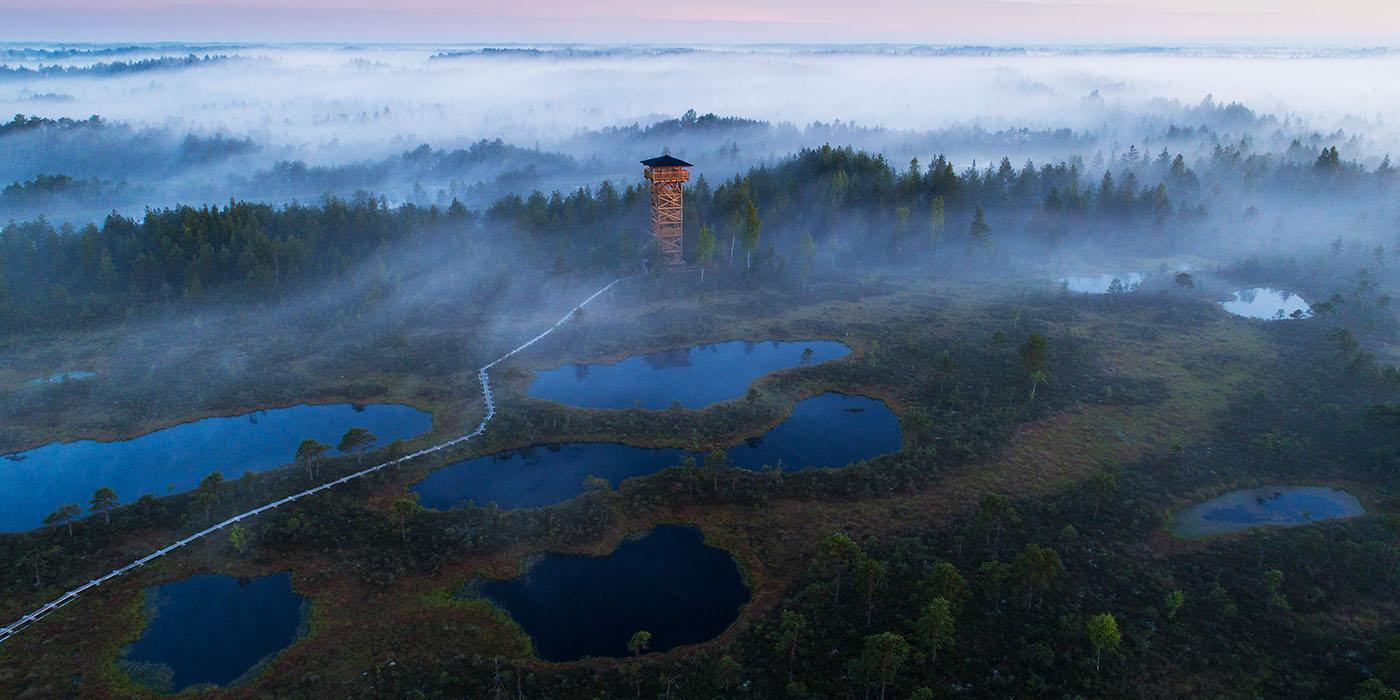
pixel 668 176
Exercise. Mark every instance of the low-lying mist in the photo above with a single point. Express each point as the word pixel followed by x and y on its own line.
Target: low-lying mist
pixel 410 321
pixel 202 124
pixel 451 158
pixel 341 103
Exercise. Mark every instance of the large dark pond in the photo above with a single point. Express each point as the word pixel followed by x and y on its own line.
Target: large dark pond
pixel 1278 506
pixel 696 376
pixel 667 582
pixel 212 629
pixel 830 430
pixel 34 483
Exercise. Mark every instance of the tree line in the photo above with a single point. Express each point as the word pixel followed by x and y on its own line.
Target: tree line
pixel 828 202
pixel 114 67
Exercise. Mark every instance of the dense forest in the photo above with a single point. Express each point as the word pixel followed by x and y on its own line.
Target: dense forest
pixel 460 169
pixel 823 204
pixel 82 149
pixel 167 166
pixel 47 190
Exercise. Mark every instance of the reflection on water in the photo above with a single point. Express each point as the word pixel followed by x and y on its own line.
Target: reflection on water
pixel 830 430
pixel 696 376
pixel 34 483
pixel 1267 304
pixel 1279 506
pixel 212 629
pixel 667 582
pixel 538 476
pixel 1103 284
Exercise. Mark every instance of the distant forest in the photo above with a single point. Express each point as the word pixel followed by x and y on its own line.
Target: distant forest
pixel 166 167
pixel 774 219
pixel 114 68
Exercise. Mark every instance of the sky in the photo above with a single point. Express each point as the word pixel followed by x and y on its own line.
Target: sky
pixel 1286 22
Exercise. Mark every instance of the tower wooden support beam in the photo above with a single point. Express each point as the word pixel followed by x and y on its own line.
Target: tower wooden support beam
pixel 668 176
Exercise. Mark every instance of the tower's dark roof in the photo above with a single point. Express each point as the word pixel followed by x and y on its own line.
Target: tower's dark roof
pixel 666 161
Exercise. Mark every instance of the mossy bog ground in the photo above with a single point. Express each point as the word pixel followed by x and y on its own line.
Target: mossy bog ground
pixel 1140 378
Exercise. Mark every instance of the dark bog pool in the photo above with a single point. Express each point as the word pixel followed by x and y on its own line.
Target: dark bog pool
pixel 667 582
pixel 1267 304
pixel 212 629
pixel 830 430
pixel 34 483
pixel 1278 506
pixel 696 376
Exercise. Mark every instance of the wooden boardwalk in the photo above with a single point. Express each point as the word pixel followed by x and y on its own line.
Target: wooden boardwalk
pixel 14 628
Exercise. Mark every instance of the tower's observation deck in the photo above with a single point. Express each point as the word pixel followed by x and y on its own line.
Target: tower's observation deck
pixel 668 176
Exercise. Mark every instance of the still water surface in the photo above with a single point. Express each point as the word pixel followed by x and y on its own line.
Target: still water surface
pixel 212 629
pixel 1268 506
pixel 35 483
pixel 696 376
pixel 1102 284
pixel 830 430
pixel 1267 304
pixel 667 582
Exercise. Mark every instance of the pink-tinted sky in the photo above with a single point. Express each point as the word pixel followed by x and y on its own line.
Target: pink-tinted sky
pixel 923 21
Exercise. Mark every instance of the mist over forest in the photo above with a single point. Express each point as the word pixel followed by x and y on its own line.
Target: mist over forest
pixel 1139 155
pixel 200 123
pixel 1028 256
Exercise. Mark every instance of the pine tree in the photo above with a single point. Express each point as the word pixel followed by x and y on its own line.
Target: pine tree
pixel 978 232
pixel 309 454
pixel 103 500
pixel 882 657
pixel 935 627
pixel 65 515
pixel 354 441
pixel 791 628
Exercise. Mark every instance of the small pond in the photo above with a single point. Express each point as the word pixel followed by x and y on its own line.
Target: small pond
pixel 667 582
pixel 212 629
pixel 1277 506
pixel 62 377
pixel 696 377
pixel 1102 284
pixel 830 430
pixel 34 483
pixel 1267 304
